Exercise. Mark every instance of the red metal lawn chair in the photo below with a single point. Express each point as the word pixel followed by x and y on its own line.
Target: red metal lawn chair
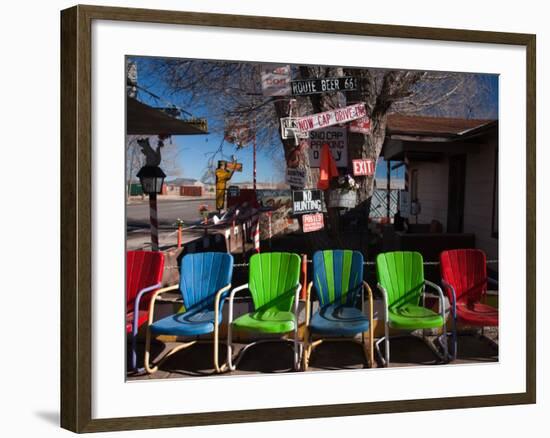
pixel 464 277
pixel 143 275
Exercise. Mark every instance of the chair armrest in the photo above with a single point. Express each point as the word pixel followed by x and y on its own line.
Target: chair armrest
pixel 453 295
pixel 140 294
pixel 219 301
pixel 154 298
pixel 231 296
pixel 441 296
pixel 385 296
pixel 296 299
pixel 308 302
pixel 371 301
pixel 221 295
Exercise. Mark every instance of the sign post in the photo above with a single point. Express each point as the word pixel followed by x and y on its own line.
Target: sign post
pixel 304 87
pixel 333 117
pixel 275 80
pixel 306 201
pixel 361 126
pixel 289 128
pixel 296 178
pixel 363 167
pixel 312 222
pixel 337 140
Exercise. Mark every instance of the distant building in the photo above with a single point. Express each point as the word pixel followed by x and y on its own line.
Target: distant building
pixel 185 182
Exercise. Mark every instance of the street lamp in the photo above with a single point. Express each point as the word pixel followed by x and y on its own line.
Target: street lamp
pixel 151 179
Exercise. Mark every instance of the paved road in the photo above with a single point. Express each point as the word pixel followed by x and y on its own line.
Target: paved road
pixel 137 214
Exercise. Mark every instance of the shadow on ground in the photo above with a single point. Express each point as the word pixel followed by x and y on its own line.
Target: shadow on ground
pixel 277 357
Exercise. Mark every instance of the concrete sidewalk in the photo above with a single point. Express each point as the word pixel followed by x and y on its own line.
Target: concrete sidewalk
pixel 277 357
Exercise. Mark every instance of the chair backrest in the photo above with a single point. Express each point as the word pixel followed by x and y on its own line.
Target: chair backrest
pixel 202 275
pixel 337 275
pixel 401 273
pixel 466 271
pixel 272 279
pixel 143 269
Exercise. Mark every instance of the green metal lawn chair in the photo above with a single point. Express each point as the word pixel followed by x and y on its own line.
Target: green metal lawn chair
pixel 273 283
pixel 401 281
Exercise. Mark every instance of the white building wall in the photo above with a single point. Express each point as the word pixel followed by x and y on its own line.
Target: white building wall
pixel 433 178
pixel 478 200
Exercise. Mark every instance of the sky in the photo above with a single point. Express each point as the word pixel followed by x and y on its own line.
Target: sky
pixel 194 150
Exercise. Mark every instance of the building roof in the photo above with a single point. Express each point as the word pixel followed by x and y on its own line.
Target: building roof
pixel 143 119
pixel 426 138
pixel 399 124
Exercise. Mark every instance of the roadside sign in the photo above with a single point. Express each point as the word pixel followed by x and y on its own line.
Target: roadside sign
pixel 332 117
pixel 237 167
pixel 233 191
pixel 275 80
pixel 288 126
pixel 296 177
pixel 237 133
pixel 337 139
pixel 306 201
pixel 363 167
pixel 312 222
pixel 361 126
pixel 304 87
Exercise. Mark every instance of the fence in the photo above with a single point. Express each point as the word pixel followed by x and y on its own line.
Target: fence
pixel 378 205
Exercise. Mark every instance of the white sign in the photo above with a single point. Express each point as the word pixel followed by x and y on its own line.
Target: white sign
pixel 337 139
pixel 289 127
pixel 275 80
pixel 332 117
pixel 312 222
pixel 361 126
pixel 364 167
pixel 296 178
pixel 404 204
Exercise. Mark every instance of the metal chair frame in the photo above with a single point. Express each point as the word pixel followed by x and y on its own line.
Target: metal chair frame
pixel 442 339
pixel 152 369
pixel 310 345
pixel 297 345
pixel 480 335
pixel 135 327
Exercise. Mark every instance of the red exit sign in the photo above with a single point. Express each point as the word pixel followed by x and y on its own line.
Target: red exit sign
pixel 363 167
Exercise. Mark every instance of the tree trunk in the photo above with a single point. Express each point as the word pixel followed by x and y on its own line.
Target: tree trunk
pixel 370 149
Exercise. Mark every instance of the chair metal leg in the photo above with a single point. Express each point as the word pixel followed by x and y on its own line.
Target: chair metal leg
pixel 216 341
pixel 296 349
pixel 455 340
pixel 306 351
pixel 230 365
pixel 367 349
pixel 387 345
pixel 148 368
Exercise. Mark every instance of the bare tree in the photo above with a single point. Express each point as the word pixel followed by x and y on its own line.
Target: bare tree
pixel 135 158
pixel 233 89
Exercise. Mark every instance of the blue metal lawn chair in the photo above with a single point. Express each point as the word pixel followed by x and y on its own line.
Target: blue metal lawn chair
pixel 338 281
pixel 205 280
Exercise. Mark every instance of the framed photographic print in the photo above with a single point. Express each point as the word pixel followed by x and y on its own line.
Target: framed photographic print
pixel 299 217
